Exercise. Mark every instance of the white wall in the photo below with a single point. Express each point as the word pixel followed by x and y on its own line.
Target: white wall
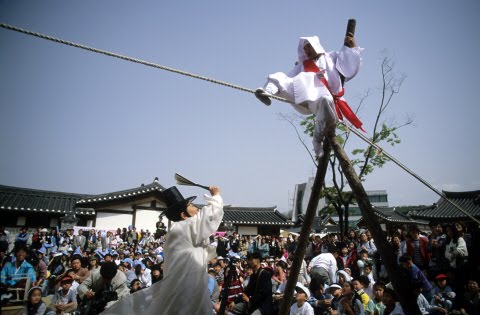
pixel 112 221
pixel 146 220
pixel 247 230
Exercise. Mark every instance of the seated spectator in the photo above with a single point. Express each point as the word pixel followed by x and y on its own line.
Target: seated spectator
pixel 65 298
pixel 351 302
pixel 35 305
pixel 378 289
pixel 390 300
pixel 80 273
pixel 471 302
pixel 443 295
pixel 102 289
pixel 157 274
pixel 342 277
pixel 335 290
pixel 135 285
pixel 300 307
pixel 144 275
pixel 12 271
pixel 70 273
pixel 368 272
pixel 319 301
pixel 358 286
pixel 423 304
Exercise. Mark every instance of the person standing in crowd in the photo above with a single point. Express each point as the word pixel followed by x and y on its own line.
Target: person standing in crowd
pixel 80 240
pixel 3 240
pixel 456 253
pixel 418 248
pixel 187 252
pixel 264 248
pixel 22 237
pixel 438 239
pixel 257 297
pixel 324 266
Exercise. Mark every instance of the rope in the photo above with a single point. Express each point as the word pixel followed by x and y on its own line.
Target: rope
pixel 131 59
pixel 196 76
pixel 409 171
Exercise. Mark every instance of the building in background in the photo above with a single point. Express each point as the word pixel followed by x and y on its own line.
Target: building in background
pixel 140 207
pixel 378 198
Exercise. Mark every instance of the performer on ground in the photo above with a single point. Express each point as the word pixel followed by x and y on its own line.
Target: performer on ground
pixel 184 288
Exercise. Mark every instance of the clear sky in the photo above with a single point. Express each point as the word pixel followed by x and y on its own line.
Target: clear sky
pixel 75 121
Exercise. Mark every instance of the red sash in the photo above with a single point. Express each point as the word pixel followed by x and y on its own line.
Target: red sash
pixel 341 107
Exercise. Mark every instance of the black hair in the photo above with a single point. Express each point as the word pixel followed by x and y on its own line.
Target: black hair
pixel 254 255
pixel 33 308
pixel 75 257
pixel 405 258
pixel 379 284
pixel 108 269
pixel 19 248
pixel 363 280
pixel 316 283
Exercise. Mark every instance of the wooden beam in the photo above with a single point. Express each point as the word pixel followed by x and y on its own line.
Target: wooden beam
pixel 401 284
pixel 305 231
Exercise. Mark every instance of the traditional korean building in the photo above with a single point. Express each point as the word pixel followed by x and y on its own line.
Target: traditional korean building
pixel 444 212
pixel 139 206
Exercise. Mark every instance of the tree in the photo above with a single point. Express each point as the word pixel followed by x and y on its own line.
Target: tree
pixel 365 160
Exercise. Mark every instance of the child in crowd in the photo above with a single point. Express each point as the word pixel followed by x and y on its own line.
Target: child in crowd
pixel 318 299
pixel 65 298
pixel 368 271
pixel 378 289
pixel 423 304
pixel 300 307
pixel 35 305
pixel 443 295
pixel 390 300
pixel 358 285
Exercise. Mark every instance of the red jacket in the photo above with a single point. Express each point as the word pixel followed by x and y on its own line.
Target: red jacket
pixel 423 249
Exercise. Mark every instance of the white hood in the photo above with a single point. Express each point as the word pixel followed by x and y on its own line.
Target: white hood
pixel 314 41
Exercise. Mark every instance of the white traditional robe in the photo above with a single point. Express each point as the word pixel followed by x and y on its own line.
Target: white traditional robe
pixel 307 92
pixel 184 287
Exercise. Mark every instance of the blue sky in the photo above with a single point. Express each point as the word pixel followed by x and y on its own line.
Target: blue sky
pixel 76 121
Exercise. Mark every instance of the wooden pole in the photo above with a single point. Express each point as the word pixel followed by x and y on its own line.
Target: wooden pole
pixel 401 285
pixel 305 231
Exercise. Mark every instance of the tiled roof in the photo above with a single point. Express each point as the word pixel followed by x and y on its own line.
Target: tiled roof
pixel 121 195
pixel 26 199
pixel 319 225
pixel 391 215
pixel 467 200
pixel 254 216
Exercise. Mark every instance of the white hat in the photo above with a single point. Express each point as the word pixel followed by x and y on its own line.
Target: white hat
pixel 301 287
pixel 44 230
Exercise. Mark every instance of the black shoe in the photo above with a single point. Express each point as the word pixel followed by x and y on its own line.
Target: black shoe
pixel 263 96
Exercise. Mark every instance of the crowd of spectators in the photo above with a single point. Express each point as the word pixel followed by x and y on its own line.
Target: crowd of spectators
pixel 86 271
